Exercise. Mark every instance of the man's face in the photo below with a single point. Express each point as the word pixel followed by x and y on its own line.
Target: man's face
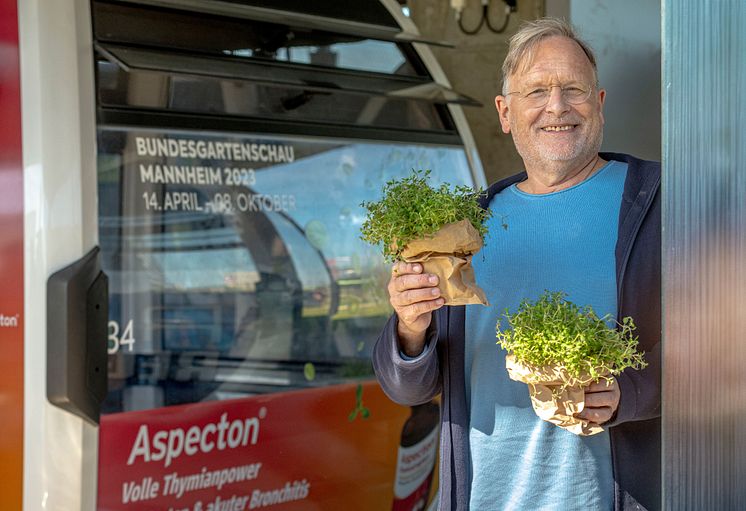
pixel 558 131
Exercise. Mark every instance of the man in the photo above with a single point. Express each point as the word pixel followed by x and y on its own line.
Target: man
pixel 575 221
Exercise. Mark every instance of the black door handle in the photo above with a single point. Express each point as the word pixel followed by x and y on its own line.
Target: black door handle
pixel 77 316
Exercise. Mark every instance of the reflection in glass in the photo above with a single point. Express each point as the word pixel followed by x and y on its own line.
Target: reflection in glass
pixel 244 38
pixel 233 285
pixel 224 96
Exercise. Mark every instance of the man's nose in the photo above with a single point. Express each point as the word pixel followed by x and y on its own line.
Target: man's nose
pixel 556 104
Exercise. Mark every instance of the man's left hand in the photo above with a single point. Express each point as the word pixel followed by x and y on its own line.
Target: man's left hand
pixel 601 401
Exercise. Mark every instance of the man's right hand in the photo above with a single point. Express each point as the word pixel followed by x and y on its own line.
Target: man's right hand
pixel 414 295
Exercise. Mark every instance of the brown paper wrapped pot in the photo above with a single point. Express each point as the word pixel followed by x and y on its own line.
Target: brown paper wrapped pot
pixel 550 400
pixel 448 254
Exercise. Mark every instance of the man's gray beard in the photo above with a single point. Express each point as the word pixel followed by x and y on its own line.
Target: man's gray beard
pixel 544 154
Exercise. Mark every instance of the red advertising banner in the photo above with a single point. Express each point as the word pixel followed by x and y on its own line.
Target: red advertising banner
pixel 332 448
pixel 11 263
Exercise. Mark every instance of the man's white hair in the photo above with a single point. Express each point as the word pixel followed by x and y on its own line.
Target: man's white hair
pixel 523 43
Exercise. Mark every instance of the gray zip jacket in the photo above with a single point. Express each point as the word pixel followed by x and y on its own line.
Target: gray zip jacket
pixel 634 431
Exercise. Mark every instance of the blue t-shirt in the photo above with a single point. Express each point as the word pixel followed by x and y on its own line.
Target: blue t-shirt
pixel 562 241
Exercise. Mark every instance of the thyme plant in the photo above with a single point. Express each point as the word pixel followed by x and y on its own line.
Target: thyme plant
pixel 555 332
pixel 411 209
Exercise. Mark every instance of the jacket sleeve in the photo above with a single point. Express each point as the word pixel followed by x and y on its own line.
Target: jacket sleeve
pixel 639 278
pixel 406 381
pixel 640 391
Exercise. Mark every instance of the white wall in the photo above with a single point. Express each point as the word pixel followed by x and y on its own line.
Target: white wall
pixel 626 37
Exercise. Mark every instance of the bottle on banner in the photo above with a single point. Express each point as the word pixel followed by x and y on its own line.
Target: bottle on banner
pixel 416 458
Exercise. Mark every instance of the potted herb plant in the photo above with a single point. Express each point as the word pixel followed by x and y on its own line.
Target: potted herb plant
pixel 557 348
pixel 441 228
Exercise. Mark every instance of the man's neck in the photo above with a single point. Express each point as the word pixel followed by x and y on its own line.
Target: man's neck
pixel 547 180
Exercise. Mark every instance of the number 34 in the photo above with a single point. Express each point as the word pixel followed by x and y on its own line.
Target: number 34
pixel 116 341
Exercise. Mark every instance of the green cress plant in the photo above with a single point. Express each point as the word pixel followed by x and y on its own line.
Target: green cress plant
pixel 555 332
pixel 411 209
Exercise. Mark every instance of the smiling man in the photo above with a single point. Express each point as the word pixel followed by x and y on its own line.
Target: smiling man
pixel 577 221
pixel 554 113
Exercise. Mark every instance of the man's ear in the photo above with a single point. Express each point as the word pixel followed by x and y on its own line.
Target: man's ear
pixel 601 99
pixel 501 103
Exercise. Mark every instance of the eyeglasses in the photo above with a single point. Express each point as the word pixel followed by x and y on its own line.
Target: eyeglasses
pixel 537 96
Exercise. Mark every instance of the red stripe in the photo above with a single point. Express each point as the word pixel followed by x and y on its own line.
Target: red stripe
pixel 11 263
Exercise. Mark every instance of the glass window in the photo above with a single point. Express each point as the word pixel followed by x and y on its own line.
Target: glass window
pixel 365 55
pixel 235 262
pixel 223 96
pixel 208 34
